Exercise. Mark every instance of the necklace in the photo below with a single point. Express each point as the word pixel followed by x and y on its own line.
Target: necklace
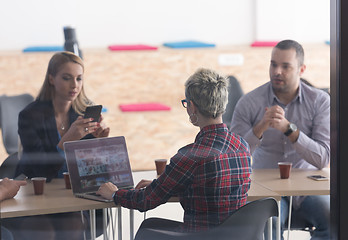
pixel 61 123
pixel 62 127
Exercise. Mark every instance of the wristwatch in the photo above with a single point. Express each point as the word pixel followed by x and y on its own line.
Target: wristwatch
pixel 292 128
pixel 113 195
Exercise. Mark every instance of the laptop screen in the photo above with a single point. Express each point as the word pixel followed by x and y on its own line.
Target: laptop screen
pixel 93 162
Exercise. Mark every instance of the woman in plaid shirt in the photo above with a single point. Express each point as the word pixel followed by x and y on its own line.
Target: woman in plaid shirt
pixel 211 176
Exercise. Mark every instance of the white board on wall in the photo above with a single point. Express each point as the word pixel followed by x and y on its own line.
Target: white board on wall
pixel 302 20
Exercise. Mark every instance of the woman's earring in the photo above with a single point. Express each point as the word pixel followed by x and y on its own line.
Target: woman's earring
pixel 193 115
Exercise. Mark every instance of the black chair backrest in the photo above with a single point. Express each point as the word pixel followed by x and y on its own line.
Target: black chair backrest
pixel 235 92
pixel 327 90
pixel 247 223
pixel 8 167
pixel 10 106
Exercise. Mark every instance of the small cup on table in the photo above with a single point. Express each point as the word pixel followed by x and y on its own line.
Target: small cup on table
pixel 284 169
pixel 160 166
pixel 39 184
pixel 67 180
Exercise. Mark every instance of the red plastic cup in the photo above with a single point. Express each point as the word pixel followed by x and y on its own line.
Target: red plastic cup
pixel 39 183
pixel 67 180
pixel 160 165
pixel 284 169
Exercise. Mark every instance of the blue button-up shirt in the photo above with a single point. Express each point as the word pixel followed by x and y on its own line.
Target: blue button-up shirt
pixel 309 110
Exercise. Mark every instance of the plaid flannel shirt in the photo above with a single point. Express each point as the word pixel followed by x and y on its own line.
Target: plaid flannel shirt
pixel 211 177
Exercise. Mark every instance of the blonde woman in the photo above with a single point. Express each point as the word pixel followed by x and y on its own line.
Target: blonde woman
pixel 54 118
pixel 43 126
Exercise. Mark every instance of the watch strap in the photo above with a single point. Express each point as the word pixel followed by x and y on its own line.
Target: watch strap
pixel 288 132
pixel 113 195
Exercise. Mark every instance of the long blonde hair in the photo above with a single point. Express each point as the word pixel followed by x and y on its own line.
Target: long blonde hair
pixel 47 90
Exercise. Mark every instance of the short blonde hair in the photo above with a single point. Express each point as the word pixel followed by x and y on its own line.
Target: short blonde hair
pixel 208 91
pixel 47 90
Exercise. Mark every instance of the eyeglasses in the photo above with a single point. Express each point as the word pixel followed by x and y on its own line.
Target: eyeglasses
pixel 184 103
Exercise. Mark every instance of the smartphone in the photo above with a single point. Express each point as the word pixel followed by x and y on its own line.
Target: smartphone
pixel 21 177
pixel 93 112
pixel 318 177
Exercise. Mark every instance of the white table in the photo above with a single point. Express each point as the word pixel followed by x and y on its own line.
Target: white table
pixel 298 184
pixel 56 199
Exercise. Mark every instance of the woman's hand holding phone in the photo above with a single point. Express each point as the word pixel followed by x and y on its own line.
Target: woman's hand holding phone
pixel 102 130
pixel 90 123
pixel 78 129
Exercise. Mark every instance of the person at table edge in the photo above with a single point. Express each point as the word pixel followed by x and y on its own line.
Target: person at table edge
pixel 287 120
pixel 8 189
pixel 55 117
pixel 211 176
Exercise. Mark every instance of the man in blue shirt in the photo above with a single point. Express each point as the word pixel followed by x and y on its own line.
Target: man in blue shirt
pixel 287 120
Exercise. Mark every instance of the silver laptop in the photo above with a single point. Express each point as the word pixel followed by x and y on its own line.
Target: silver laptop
pixel 93 162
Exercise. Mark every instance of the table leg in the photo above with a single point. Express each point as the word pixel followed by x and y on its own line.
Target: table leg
pixel 278 221
pixel 83 222
pixel 105 223
pixel 131 223
pixel 289 220
pixel 269 225
pixel 119 216
pixel 92 220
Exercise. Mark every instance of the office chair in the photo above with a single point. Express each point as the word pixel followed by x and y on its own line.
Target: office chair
pixel 235 92
pixel 8 167
pixel 10 106
pixel 327 90
pixel 247 223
